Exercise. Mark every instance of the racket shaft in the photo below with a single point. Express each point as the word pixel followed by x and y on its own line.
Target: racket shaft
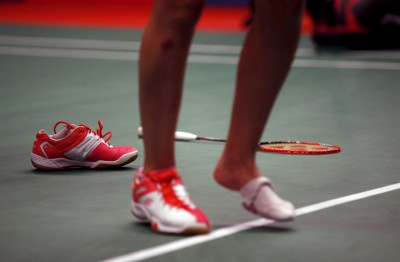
pixel 207 138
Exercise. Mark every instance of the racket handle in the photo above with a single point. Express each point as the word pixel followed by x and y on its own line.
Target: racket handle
pixel 179 135
pixel 140 132
pixel 185 136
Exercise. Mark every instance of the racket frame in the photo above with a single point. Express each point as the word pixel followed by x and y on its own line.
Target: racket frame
pixel 332 149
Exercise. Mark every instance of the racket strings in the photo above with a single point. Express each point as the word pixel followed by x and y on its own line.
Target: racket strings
pixel 296 147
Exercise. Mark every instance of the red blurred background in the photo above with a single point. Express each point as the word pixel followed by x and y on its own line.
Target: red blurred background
pixel 219 15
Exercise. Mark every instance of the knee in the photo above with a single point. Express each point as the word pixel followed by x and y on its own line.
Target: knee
pixel 178 13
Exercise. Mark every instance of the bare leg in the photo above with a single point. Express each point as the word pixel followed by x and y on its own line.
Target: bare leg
pixel 265 61
pixel 163 56
pixel 158 194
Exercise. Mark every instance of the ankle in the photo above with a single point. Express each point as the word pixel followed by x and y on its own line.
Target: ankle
pixel 235 175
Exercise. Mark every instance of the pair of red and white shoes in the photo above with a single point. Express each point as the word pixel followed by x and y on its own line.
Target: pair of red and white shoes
pixel 158 197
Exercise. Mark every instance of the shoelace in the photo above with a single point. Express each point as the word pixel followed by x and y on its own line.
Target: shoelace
pixel 68 125
pixel 165 179
pixel 106 137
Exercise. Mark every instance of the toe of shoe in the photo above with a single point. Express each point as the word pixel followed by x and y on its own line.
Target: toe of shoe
pixel 283 212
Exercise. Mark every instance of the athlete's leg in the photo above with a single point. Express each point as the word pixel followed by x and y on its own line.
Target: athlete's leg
pixel 163 56
pixel 264 64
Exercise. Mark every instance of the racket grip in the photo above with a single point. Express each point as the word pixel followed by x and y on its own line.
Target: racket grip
pixel 179 135
pixel 140 132
pixel 185 136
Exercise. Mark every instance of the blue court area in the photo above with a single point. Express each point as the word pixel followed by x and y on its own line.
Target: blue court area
pixel 351 99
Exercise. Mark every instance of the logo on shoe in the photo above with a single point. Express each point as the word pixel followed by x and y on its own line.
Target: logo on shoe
pixel 43 147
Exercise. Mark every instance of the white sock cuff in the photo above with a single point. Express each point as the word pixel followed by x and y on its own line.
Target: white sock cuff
pixel 250 190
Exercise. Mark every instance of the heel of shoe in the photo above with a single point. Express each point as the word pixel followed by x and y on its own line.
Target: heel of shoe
pixel 45 164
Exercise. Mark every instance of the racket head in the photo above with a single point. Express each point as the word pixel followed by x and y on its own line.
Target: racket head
pixel 298 148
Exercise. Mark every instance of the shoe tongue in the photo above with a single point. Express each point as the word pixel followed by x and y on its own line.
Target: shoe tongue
pixel 64 132
pixel 69 129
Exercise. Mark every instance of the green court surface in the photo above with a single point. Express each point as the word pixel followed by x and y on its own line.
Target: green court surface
pixel 82 75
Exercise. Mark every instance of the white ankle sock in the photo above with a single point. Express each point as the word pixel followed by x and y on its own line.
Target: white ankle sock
pixel 259 197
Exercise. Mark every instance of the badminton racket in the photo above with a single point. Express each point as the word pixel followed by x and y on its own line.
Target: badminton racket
pixel 281 147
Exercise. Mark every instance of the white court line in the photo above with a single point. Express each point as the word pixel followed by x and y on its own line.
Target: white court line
pixel 69 53
pixel 195 48
pixel 227 231
pixel 193 58
pixel 105 44
pixel 68 42
pixel 344 64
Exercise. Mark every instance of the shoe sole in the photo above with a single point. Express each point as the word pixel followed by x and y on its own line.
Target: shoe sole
pixel 45 164
pixel 143 217
pixel 277 218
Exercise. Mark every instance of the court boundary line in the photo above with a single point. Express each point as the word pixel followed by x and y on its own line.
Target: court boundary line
pixel 126 45
pixel 227 231
pixel 193 58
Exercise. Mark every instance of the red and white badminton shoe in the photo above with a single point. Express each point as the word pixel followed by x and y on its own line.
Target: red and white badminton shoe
pixel 78 147
pixel 159 197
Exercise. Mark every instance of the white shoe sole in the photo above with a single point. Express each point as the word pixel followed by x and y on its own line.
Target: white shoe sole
pixel 42 163
pixel 142 215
